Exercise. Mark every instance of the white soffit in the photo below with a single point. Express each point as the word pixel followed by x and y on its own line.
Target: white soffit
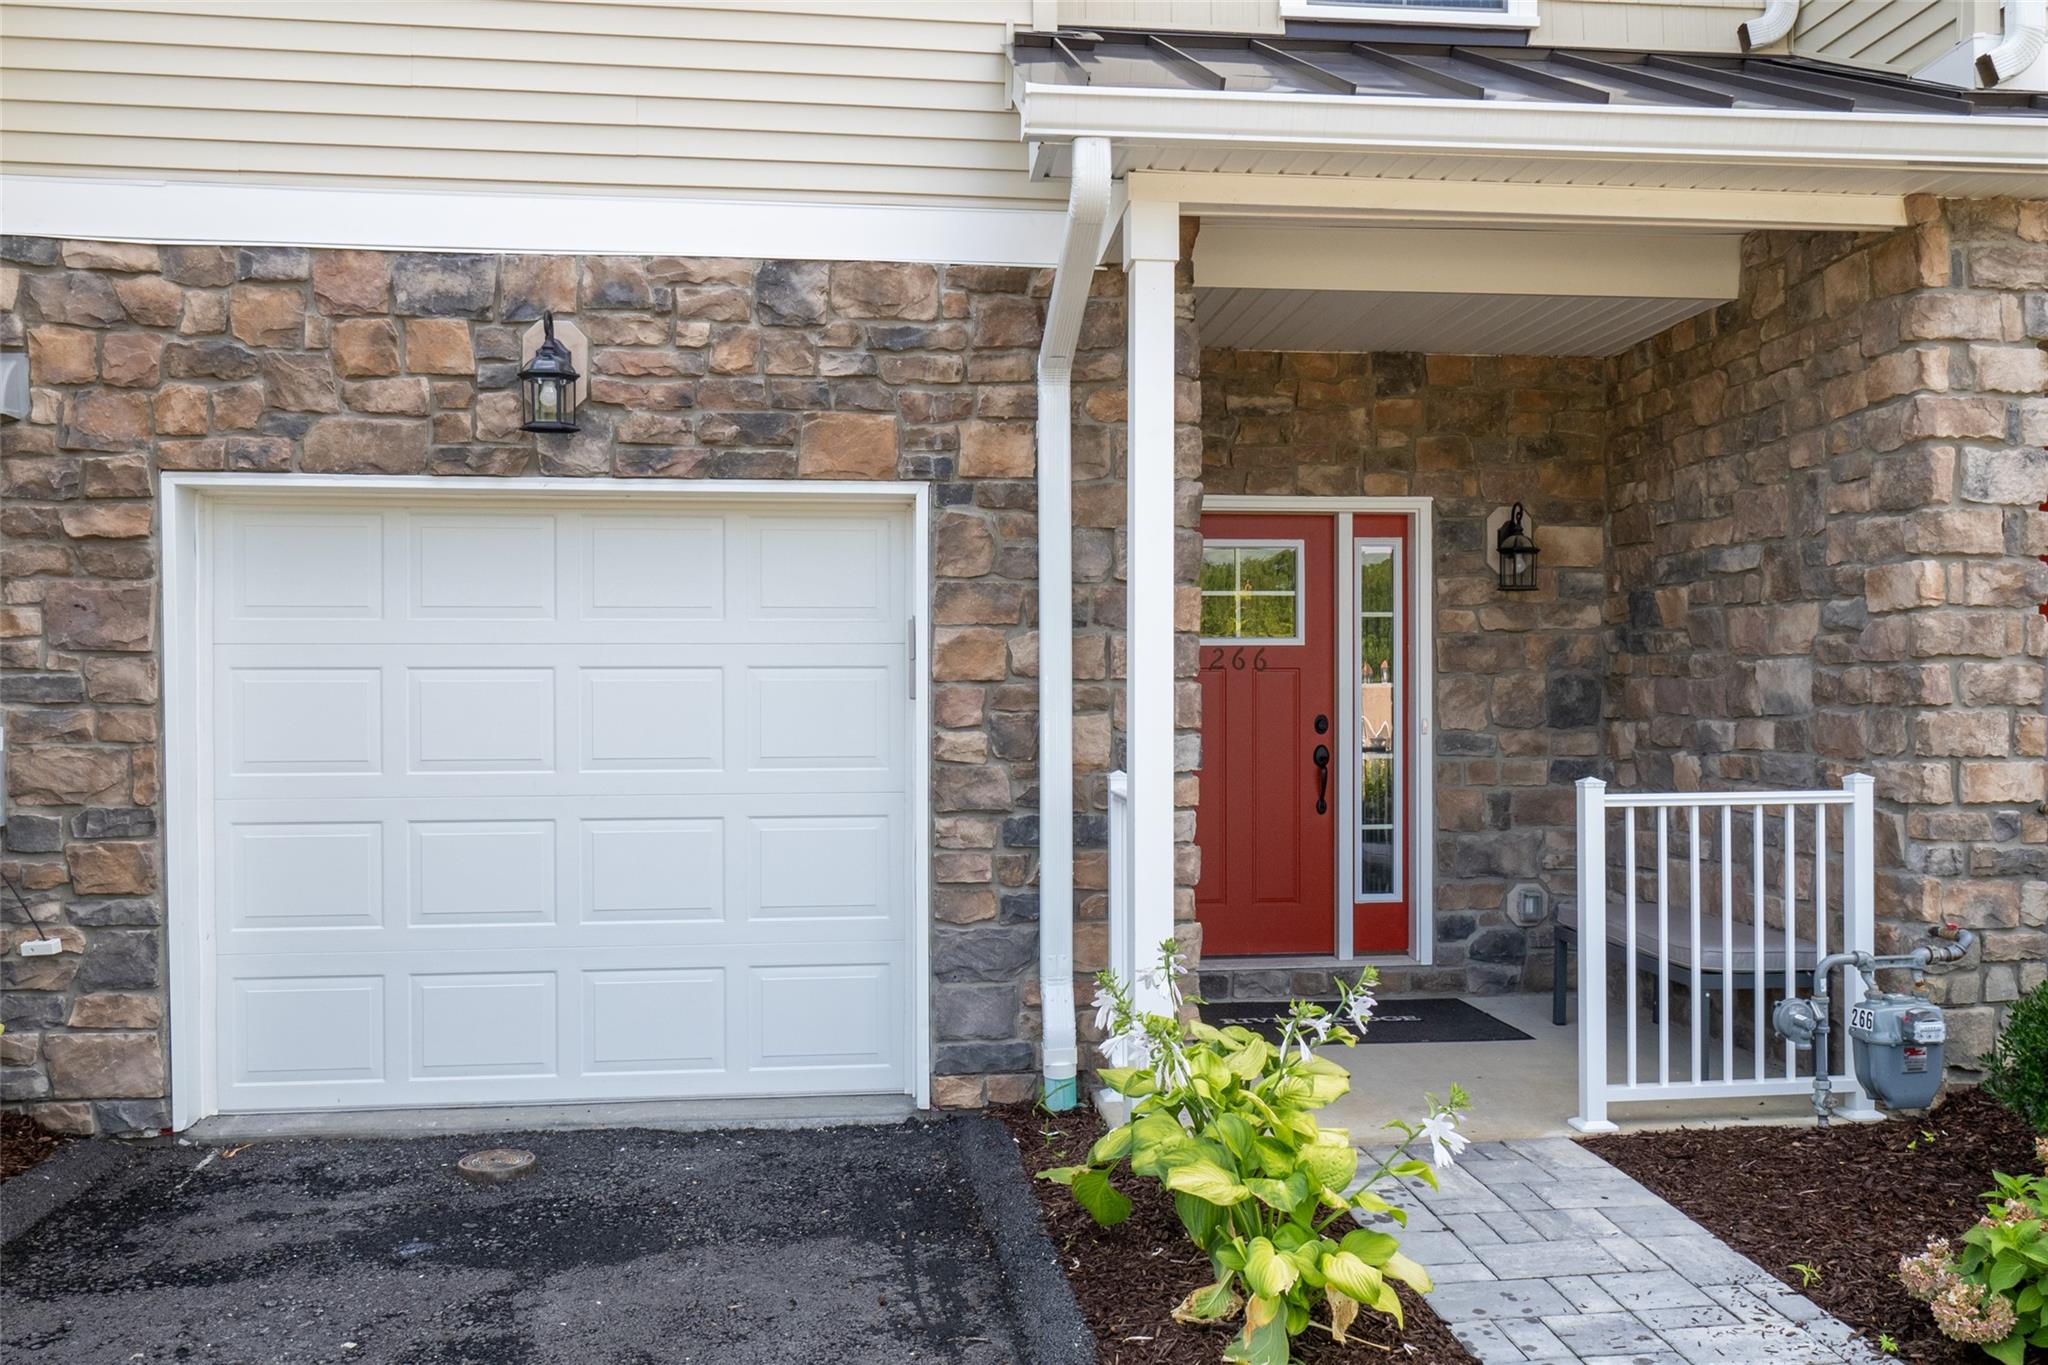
pixel 1444 324
pixel 1242 254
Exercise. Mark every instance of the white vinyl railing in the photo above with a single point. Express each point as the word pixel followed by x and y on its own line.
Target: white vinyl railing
pixel 1123 928
pixel 1717 892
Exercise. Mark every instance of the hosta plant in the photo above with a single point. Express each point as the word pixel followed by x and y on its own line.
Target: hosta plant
pixel 1225 1120
pixel 1994 1291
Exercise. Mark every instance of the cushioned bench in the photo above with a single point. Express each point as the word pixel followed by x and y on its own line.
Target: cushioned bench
pixel 1738 960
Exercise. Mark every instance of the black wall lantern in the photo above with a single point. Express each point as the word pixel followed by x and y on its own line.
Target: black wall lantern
pixel 1517 554
pixel 547 386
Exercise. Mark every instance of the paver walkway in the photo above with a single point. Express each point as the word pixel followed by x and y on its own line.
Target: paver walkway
pixel 1543 1252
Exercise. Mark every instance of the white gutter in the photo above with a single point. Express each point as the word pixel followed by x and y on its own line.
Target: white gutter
pixel 2026 33
pixel 1087 204
pixel 1774 23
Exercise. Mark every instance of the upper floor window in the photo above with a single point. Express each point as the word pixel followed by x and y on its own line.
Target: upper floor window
pixel 1453 13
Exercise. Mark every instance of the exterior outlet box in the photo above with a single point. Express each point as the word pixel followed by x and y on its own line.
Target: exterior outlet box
pixel 41 947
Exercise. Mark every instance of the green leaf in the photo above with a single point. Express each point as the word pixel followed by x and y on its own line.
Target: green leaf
pixel 2011 1351
pixel 1264 1338
pixel 1207 1180
pixel 1129 1080
pixel 1201 1218
pixel 1399 1267
pixel 1374 1248
pixel 1332 1167
pixel 1102 1200
pixel 1343 1270
pixel 1249 1062
pixel 1062 1175
pixel 1234 1133
pixel 1368 1202
pixel 2005 1273
pixel 1112 1147
pixel 1327 1080
pixel 1283 1195
pixel 1266 1271
pixel 1210 1303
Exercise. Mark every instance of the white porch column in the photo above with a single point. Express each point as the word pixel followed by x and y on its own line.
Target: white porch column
pixel 1151 251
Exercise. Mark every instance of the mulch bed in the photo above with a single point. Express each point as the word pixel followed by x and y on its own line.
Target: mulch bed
pixel 23 1143
pixel 1129 1278
pixel 1848 1201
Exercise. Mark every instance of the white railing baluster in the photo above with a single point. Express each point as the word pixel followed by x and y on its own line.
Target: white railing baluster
pixel 1760 1040
pixel 1727 944
pixel 1859 916
pixel 1663 953
pixel 1698 1001
pixel 1820 894
pixel 1629 909
pixel 1791 930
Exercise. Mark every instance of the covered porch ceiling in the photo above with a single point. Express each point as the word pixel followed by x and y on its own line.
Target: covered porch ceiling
pixel 1489 196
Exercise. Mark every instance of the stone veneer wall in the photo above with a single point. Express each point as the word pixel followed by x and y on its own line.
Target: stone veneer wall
pixel 1519 676
pixel 279 360
pixel 1826 525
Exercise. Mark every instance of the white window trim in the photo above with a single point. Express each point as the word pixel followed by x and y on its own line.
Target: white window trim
pixel 187 684
pixel 1301 592
pixel 1421 514
pixel 1403 703
pixel 1515 14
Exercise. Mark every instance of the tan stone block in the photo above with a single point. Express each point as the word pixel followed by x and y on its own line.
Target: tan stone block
pixel 237 407
pixel 1977 734
pixel 352 281
pixel 150 300
pixel 962 546
pixel 114 868
pixel 963 904
pixel 960 746
pixel 969 654
pixel 97 419
pixel 868 289
pixel 1994 783
pixel 131 359
pixel 61 355
pixel 98 616
pixel 104 1066
pixel 958 706
pixel 206 314
pixel 1901 587
pixel 107 521
pixel 736 351
pixel 117 1010
pixel 635 428
pixel 848 445
pixel 267 315
pixel 119 680
pixel 127 727
pixel 361 445
pixel 210 453
pixel 958 1092
pixel 127 256
pixel 388 397
pixel 438 346
pixel 998 450
pixel 64 776
pixel 498 416
pixel 365 348
pixel 180 410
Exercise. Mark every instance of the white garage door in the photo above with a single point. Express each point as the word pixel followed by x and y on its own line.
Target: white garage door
pixel 524 805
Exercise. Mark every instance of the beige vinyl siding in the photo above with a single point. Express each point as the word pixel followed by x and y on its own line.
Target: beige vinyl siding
pixel 1893 35
pixel 1187 16
pixel 1695 26
pixel 781 99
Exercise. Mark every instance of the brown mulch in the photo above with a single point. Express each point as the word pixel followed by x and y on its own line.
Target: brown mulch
pixel 23 1143
pixel 1129 1278
pixel 1848 1201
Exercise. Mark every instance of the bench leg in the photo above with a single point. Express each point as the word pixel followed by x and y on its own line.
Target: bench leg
pixel 1559 961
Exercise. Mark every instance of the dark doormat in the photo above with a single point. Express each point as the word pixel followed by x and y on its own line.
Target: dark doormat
pixel 1404 1020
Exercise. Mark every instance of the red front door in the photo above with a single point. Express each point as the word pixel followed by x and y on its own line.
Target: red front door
pixel 1267 822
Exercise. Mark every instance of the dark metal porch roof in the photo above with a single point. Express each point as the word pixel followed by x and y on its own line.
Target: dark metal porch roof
pixel 1481 70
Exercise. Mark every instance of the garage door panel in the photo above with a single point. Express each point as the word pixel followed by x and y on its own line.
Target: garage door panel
pixel 653 718
pixel 659 568
pixel 295 566
pixel 470 720
pixel 287 876
pixel 823 569
pixel 812 718
pixel 654 871
pixel 371 1030
pixel 479 567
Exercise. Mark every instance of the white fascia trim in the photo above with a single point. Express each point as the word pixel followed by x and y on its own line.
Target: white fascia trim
pixel 207 212
pixel 1433 127
pixel 1516 14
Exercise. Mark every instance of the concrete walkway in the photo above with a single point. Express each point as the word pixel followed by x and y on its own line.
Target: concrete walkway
pixel 1543 1252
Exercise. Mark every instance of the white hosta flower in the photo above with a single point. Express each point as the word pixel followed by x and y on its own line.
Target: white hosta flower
pixel 1445 1141
pixel 1359 1011
pixel 1129 1048
pixel 1105 1009
pixel 1313 1030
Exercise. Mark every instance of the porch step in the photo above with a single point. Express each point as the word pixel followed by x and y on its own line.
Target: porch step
pixel 1315 978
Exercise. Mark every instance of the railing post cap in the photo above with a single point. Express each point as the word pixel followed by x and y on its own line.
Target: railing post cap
pixel 1590 784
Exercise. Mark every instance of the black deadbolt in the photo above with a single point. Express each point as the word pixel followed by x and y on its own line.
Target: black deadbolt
pixel 1322 725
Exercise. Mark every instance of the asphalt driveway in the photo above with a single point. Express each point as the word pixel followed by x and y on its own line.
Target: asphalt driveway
pixel 917 1242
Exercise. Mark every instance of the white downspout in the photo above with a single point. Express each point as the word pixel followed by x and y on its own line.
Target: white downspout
pixel 1774 23
pixel 2026 33
pixel 1087 204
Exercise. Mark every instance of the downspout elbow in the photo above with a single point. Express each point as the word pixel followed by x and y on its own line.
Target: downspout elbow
pixel 1087 206
pixel 2026 33
pixel 1773 24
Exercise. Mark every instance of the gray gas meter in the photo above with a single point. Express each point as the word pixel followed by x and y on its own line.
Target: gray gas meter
pixel 1895 1040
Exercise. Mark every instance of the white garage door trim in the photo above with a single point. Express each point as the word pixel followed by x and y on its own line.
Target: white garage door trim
pixel 188 689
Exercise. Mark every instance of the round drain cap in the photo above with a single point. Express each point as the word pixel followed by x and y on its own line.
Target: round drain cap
pixel 495 1164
